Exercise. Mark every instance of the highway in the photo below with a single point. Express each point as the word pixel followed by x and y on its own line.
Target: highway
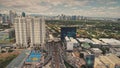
pixel 57 61
pixel 64 57
pixel 49 56
pixel 54 50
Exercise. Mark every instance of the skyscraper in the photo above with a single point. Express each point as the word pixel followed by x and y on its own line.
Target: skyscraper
pixel 4 18
pixel 1 18
pixel 20 26
pixel 37 31
pixel 12 15
pixel 29 30
pixel 23 14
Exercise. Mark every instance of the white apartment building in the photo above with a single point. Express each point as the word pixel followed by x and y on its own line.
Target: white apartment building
pixel 37 31
pixel 21 31
pixel 30 30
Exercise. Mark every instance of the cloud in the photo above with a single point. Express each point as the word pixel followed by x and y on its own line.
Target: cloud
pixel 25 5
pixel 114 8
pixel 111 3
pixel 73 7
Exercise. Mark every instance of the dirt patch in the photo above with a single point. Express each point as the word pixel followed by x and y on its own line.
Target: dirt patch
pixel 6 58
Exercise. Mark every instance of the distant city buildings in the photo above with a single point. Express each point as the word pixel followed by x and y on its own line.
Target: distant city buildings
pixel 7 35
pixel 1 20
pixel 66 17
pixel 23 14
pixel 5 18
pixel 12 15
pixel 79 17
pixel 29 31
pixel 8 17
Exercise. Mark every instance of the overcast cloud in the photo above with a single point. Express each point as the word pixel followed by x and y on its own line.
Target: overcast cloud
pixel 97 8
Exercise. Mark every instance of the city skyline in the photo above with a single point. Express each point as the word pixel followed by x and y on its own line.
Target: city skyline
pixel 93 8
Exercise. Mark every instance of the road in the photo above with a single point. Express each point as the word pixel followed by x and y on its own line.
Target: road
pixel 54 51
pixel 57 61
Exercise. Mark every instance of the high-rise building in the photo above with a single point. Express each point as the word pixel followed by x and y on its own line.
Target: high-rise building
pixel 68 31
pixel 23 14
pixel 21 31
pixel 37 31
pixel 1 20
pixel 5 18
pixel 29 30
pixel 12 15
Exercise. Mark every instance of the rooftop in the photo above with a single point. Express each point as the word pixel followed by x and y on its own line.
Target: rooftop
pixel 96 41
pixel 110 41
pixel 116 59
pixel 85 45
pixel 96 50
pixel 73 40
pixel 98 64
pixel 7 30
pixel 67 39
pixel 110 59
pixel 84 40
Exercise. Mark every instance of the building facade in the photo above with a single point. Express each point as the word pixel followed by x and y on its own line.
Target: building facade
pixel 37 32
pixel 12 15
pixel 29 30
pixel 68 31
pixel 21 31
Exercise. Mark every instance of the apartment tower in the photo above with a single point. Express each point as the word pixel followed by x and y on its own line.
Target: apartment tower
pixel 29 31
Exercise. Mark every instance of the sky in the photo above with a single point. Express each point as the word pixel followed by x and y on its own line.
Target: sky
pixel 94 8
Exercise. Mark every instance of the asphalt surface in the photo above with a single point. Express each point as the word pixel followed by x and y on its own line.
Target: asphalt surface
pixel 57 61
